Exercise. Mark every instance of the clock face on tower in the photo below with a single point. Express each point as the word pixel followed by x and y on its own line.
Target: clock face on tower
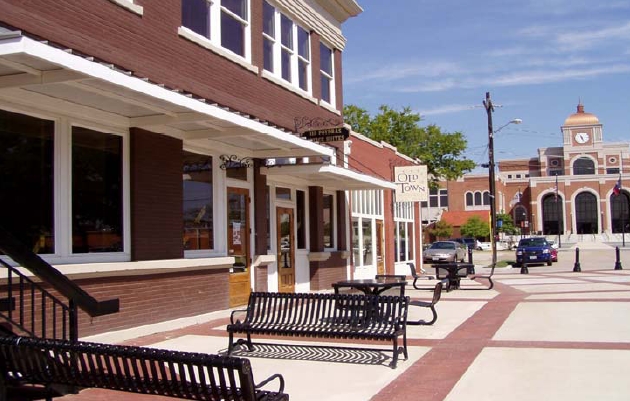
pixel 581 137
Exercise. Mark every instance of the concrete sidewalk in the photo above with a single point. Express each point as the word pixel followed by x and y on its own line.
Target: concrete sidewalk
pixel 549 334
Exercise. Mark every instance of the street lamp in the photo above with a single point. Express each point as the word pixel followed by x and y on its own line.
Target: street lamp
pixel 493 206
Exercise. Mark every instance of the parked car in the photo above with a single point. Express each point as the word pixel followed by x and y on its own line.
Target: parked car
pixel 533 250
pixel 554 254
pixel 485 246
pixel 445 251
pixel 471 243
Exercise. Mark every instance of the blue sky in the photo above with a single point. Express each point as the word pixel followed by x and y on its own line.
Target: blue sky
pixel 537 58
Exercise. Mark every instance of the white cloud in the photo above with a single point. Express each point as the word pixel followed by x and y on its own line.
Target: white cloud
pixel 447 109
pixel 403 70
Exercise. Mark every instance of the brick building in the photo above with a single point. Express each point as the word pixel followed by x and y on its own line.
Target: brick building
pixel 570 189
pixel 154 153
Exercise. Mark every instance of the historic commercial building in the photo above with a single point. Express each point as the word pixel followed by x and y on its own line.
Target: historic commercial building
pixel 155 152
pixel 577 188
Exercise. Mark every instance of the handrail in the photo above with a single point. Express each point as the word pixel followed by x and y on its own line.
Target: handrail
pixel 54 319
pixel 26 258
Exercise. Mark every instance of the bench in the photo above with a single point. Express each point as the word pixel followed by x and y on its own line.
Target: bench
pixel 343 316
pixel 56 367
pixel 437 294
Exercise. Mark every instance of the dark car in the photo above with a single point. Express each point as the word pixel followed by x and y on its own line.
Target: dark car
pixel 471 243
pixel 533 250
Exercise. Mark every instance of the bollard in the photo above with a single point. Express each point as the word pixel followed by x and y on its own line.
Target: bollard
pixel 470 258
pixel 617 259
pixel 524 269
pixel 576 266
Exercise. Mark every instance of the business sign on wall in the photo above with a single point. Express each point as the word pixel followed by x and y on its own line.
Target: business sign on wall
pixel 411 184
pixel 327 134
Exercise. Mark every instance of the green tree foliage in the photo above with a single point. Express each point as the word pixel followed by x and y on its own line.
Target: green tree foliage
pixel 476 228
pixel 441 229
pixel 507 226
pixel 441 152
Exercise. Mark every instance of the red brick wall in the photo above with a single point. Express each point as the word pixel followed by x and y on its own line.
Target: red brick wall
pixel 155 298
pixel 150 46
pixel 156 196
pixel 324 273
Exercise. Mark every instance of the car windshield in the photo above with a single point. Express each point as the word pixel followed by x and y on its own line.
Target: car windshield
pixel 443 245
pixel 532 242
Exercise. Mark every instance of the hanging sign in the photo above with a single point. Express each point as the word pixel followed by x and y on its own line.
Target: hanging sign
pixel 411 184
pixel 327 134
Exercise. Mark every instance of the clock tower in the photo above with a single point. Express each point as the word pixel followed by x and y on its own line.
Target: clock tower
pixel 581 129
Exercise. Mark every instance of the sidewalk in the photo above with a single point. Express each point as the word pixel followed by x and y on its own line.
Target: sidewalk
pixel 550 334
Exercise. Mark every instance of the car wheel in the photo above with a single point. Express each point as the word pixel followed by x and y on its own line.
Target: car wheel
pixel 549 262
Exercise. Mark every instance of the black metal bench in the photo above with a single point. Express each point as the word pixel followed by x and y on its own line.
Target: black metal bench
pixel 347 316
pixel 57 367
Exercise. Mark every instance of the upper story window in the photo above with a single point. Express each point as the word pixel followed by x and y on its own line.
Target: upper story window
pixel 612 170
pixel 477 198
pixel 326 62
pixel 286 48
pixel 583 166
pixel 224 22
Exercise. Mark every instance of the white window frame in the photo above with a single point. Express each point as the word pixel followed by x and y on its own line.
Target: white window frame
pixel 333 101
pixel 213 43
pixel 277 49
pixel 367 205
pixel 404 213
pixel 129 5
pixel 62 186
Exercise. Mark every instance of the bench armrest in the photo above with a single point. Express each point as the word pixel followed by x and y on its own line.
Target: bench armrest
pixel 234 312
pixel 270 378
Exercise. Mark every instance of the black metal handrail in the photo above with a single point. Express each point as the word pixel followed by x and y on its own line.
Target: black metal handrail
pixel 76 296
pixel 21 295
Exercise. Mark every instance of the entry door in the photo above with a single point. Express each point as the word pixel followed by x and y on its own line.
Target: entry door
pixel 286 250
pixel 380 247
pixel 238 244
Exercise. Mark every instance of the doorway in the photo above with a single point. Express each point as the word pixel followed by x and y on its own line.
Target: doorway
pixel 380 246
pixel 286 249
pixel 238 244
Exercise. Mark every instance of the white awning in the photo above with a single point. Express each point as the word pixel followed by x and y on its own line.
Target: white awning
pixel 37 75
pixel 327 176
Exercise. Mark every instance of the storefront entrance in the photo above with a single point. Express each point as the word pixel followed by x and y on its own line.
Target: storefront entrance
pixel 238 244
pixel 286 249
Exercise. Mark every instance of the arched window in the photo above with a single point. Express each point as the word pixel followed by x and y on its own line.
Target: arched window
pixel 469 199
pixel 586 220
pixel 583 166
pixel 477 198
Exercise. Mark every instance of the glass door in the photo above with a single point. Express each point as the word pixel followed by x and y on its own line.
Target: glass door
pixel 286 250
pixel 238 244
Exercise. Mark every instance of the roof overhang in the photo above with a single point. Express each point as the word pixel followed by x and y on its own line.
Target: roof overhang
pixel 40 76
pixel 326 176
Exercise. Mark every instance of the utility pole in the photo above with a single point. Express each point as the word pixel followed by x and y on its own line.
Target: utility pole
pixel 491 181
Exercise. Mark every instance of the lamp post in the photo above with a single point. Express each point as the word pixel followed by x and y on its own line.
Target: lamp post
pixel 491 180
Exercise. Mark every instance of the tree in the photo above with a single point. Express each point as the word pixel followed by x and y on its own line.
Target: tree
pixel 441 229
pixel 476 228
pixel 441 152
pixel 507 225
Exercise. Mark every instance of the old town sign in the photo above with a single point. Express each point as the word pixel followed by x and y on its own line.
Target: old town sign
pixel 327 134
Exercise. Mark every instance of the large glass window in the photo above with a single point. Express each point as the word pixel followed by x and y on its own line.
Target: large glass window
pixel 286 48
pixel 97 204
pixel 223 22
pixel 404 231
pixel 41 158
pixel 198 206
pixel 26 180
pixel 367 208
pixel 326 73
pixel 301 218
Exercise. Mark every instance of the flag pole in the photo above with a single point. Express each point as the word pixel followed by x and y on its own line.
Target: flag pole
pixel 623 223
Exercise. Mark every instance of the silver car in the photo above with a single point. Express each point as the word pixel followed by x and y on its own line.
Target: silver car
pixel 445 251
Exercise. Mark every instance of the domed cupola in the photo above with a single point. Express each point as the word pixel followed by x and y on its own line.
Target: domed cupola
pixel 581 118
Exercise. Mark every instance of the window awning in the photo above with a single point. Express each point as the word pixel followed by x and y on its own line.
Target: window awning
pixel 40 76
pixel 327 176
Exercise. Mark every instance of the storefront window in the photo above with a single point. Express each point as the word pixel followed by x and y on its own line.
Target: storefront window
pixel 198 213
